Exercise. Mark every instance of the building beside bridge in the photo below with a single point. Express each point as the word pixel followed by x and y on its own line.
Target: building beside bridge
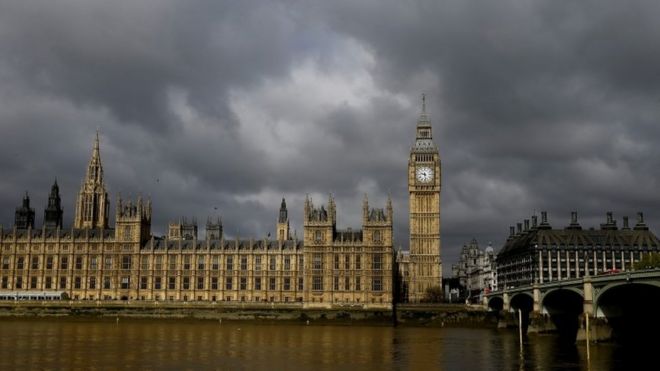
pixel 476 269
pixel 539 253
pixel 99 260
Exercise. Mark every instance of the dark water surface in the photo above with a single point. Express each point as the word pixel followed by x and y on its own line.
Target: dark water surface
pixel 78 344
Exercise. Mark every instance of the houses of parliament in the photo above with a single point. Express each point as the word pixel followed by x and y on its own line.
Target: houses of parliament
pixel 96 259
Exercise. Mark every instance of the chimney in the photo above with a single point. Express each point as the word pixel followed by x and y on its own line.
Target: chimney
pixel 625 223
pixel 526 225
pixel 519 225
pixel 640 217
pixel 544 217
pixel 609 217
pixel 574 217
pixel 535 221
pixel 512 231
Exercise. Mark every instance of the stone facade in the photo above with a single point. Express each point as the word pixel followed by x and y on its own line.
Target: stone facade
pixel 476 269
pixel 329 267
pixel 424 180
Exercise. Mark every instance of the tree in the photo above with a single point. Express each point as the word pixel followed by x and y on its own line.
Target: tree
pixel 433 294
pixel 649 261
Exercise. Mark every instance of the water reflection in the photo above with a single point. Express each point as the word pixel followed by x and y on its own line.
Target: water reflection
pixel 176 344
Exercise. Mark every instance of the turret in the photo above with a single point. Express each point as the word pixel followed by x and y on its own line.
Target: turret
pixel 53 212
pixel 283 222
pixel 24 217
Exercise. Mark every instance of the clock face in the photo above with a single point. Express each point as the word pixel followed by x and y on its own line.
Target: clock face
pixel 424 174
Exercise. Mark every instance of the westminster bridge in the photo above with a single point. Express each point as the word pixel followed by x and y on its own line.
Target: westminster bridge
pixel 620 305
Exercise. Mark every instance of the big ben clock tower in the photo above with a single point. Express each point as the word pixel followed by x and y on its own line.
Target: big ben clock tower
pixel 424 179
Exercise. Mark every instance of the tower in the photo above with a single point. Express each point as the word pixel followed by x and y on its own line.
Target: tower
pixel 133 221
pixel 283 223
pixel 53 212
pixel 92 203
pixel 24 217
pixel 424 180
pixel 213 229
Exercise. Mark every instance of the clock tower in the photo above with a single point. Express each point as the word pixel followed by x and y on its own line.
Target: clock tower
pixel 424 179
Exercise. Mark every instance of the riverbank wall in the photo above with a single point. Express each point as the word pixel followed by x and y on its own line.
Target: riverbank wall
pixel 436 315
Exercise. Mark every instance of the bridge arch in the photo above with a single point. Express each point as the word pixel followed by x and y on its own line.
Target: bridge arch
pixel 554 290
pixel 631 309
pixel 564 307
pixel 496 303
pixel 522 300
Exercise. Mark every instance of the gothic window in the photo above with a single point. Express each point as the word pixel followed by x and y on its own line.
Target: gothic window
pixel 377 261
pixel 377 284
pixel 214 283
pixel 317 283
pixel 126 262
pixel 79 262
pixel 20 262
pixel 186 283
pixel 108 262
pixel 64 263
pixel 272 263
pixel 127 233
pixel 336 283
pixel 186 262
pixel 347 262
pixel 228 283
pixel 287 284
pixel 63 283
pixel 287 263
pixel 257 283
pixel 144 265
pixel 171 283
pixel 357 284
pixel 35 262
pixel 347 283
pixel 200 283
pixel 125 282
pixel 377 236
pixel 317 263
pixel 200 263
pixel 92 283
pixel 230 264
pixel 172 262
pixel 272 283
pixel 93 262
pixel 257 263
pixel 244 263
pixel 318 236
pixel 358 262
pixel 5 262
pixel 144 283
pixel 336 261
pixel 300 284
pixel 243 283
pixel 216 263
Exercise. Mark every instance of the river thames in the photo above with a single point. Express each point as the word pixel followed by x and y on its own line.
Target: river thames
pixel 83 344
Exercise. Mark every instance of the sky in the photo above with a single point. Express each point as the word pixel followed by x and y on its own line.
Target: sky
pixel 224 107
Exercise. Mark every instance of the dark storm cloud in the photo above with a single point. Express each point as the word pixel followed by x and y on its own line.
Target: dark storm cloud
pixel 218 107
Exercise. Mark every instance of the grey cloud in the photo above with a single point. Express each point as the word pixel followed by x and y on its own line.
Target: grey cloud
pixel 537 105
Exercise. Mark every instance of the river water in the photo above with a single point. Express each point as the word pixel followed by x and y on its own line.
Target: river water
pixel 83 344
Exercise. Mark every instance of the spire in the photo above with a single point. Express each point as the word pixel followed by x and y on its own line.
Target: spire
pixel 423 104
pixel 92 204
pixel 423 117
pixel 284 214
